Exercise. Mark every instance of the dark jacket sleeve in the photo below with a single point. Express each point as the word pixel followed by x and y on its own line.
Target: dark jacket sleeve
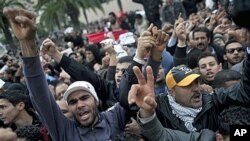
pixel 43 101
pixel 129 79
pixel 237 94
pixel 111 73
pixel 79 72
pixel 180 56
pixel 154 131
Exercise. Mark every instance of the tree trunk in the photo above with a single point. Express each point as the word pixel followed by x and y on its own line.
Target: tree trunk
pixel 74 15
pixel 119 2
pixel 8 36
pixel 58 23
pixel 85 16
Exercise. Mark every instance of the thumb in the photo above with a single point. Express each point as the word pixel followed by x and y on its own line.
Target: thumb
pixel 132 93
pixel 150 103
pixel 132 119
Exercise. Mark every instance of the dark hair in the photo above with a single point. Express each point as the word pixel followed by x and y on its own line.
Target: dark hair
pixel 72 53
pixel 208 54
pixel 234 115
pixel 15 97
pixel 30 132
pixel 192 58
pixel 17 86
pixel 112 14
pixel 229 42
pixel 96 52
pixel 224 76
pixel 5 58
pixel 125 59
pixel 202 29
pixel 138 16
pixel 10 71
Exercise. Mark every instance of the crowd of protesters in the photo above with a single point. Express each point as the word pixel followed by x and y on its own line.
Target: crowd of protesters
pixel 180 72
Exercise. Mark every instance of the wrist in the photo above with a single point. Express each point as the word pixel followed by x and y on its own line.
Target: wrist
pixel 139 56
pixel 138 60
pixel 145 113
pixel 181 43
pixel 57 56
pixel 113 54
pixel 28 48
pixel 156 56
pixel 113 60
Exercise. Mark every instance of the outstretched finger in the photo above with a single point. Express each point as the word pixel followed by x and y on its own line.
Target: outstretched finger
pixel 150 27
pixel 155 32
pixel 150 76
pixel 139 75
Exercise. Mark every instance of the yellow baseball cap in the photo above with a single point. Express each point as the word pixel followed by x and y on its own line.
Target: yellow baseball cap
pixel 180 76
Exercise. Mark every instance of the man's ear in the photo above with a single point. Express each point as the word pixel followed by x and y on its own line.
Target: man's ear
pixel 97 103
pixel 225 57
pixel 20 106
pixel 219 137
pixel 220 66
pixel 172 92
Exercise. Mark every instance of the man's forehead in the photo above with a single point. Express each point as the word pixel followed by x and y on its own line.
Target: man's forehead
pixel 78 94
pixel 4 101
pixel 200 33
pixel 233 44
pixel 207 60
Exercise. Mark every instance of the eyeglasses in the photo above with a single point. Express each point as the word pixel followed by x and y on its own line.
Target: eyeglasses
pixel 232 50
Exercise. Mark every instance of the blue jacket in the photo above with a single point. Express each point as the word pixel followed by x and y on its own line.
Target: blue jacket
pixel 111 122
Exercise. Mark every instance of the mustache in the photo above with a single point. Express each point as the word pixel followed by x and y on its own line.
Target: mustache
pixel 200 44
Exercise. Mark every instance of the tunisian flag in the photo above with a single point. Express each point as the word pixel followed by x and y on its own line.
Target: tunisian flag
pixel 98 37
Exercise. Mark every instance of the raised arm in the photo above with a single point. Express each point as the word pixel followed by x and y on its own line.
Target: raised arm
pixel 23 26
pixel 180 54
pixel 144 45
pixel 152 43
pixel 79 72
